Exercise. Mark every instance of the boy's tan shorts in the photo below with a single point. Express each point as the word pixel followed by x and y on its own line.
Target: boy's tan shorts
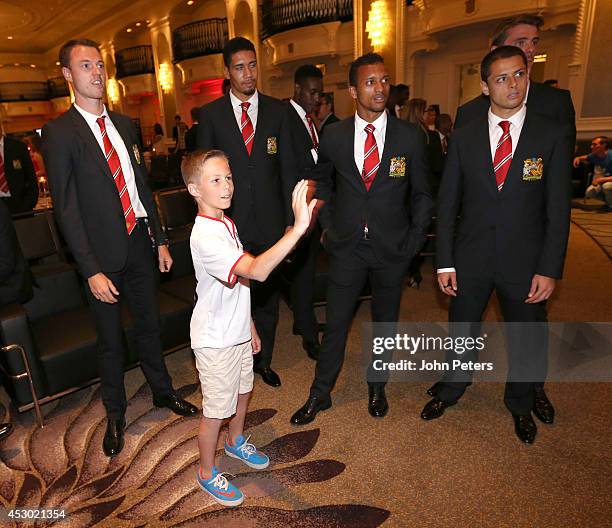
pixel 224 373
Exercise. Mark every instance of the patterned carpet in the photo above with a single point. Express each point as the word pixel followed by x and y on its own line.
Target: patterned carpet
pixel 588 215
pixel 346 469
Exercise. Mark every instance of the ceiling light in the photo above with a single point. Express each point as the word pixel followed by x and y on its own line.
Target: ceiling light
pixel 138 24
pixel 190 2
pixel 32 65
pixel 10 38
pixel 57 63
pixel 129 30
pixel 17 64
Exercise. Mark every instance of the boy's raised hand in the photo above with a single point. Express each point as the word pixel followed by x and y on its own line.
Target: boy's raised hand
pixel 302 210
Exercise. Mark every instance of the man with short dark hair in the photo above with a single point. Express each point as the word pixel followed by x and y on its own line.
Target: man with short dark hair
pixel 254 131
pixel 373 176
pixel 508 175
pixel 307 89
pixel 105 210
pixel 18 185
pixel 523 31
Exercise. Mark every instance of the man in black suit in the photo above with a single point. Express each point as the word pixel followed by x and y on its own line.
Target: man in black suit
pixel 372 174
pixel 106 211
pixel 325 112
pixel 554 103
pixel 507 176
pixel 308 86
pixel 191 136
pixel 522 31
pixel 15 278
pixel 255 133
pixel 18 185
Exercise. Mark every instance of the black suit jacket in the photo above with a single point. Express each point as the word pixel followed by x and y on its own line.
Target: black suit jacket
pixel 263 181
pixel 20 175
pixel 333 118
pixel 397 209
pixel 523 229
pixel 85 197
pixel 302 144
pixel 15 278
pixel 552 103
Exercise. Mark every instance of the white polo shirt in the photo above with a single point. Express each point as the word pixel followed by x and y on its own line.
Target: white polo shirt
pixel 222 315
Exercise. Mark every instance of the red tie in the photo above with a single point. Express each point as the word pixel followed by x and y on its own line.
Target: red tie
pixel 371 161
pixel 246 126
pixel 112 158
pixel 4 186
pixel 313 134
pixel 503 155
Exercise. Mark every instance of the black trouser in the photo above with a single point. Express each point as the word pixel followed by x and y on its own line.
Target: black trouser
pixel 264 310
pixel 302 274
pixel 526 347
pixel 347 277
pixel 137 286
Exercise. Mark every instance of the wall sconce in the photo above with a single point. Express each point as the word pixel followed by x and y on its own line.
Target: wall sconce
pixel 377 25
pixel 112 90
pixel 165 77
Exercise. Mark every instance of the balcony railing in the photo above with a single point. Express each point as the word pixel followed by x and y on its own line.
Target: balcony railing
pixel 134 61
pixel 24 91
pixel 283 15
pixel 204 37
pixel 58 87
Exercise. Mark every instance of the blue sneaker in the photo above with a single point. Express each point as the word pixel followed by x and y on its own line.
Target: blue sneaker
pixel 221 489
pixel 247 453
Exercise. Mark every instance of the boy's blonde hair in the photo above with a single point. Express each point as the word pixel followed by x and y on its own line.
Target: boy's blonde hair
pixel 193 163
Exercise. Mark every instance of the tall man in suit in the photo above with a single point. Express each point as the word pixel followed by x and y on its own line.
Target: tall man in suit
pixel 18 185
pixel 507 176
pixel 372 174
pixel 308 85
pixel 523 31
pixel 255 133
pixel 106 211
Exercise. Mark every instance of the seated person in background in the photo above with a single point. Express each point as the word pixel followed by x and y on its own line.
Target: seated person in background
pixel 159 141
pixel 223 335
pixel 15 279
pixel 601 158
pixel 18 185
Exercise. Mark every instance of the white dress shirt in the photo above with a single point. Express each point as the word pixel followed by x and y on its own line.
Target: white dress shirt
pixel 495 133
pixel 124 156
pixel 302 113
pixel 6 194
pixel 380 129
pixel 252 111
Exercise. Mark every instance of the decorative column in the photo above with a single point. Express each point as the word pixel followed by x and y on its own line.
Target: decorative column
pixel 166 83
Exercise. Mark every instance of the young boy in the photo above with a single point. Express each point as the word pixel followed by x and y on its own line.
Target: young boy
pixel 223 336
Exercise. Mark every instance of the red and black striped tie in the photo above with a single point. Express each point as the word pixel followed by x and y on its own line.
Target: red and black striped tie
pixel 503 155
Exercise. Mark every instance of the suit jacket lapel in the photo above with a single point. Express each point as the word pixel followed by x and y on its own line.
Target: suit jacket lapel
pixel 260 131
pixel 515 173
pixel 349 147
pixel 230 117
pixel 483 150
pixel 90 141
pixel 385 159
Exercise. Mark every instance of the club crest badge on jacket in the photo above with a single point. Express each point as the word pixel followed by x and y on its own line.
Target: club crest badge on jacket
pixel 272 145
pixel 136 153
pixel 17 164
pixel 532 169
pixel 397 168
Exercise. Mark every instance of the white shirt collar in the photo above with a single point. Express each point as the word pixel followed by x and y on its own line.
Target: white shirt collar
pixel 89 117
pixel 516 120
pixel 379 124
pixel 254 100
pixel 301 112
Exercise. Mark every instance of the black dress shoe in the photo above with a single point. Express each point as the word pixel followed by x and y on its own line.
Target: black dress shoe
pixel 312 349
pixel 113 437
pixel 435 408
pixel 306 414
pixel 377 402
pixel 433 390
pixel 542 408
pixel 269 376
pixel 525 428
pixel 5 429
pixel 176 405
